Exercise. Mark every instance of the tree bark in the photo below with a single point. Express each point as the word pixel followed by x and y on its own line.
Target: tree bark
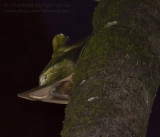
pixel 118 74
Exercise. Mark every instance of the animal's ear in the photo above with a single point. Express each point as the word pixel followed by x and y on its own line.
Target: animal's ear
pixel 58 41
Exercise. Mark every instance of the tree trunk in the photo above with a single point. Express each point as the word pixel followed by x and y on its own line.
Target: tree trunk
pixel 118 74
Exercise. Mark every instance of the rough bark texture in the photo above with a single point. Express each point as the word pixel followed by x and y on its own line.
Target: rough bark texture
pixel 120 72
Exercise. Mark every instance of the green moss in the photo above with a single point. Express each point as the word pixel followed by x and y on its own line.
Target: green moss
pixel 108 50
pixel 89 117
pixel 106 44
pixel 108 11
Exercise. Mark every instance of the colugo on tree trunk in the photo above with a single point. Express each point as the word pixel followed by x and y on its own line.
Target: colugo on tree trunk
pixel 55 81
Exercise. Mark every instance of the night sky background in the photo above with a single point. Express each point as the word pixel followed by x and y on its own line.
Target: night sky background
pixel 26 31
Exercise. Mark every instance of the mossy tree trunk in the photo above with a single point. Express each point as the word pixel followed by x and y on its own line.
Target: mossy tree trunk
pixel 118 74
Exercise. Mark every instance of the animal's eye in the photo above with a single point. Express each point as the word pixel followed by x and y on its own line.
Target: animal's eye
pixel 52 90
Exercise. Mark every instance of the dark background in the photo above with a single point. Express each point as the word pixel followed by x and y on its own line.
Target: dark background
pixel 25 49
